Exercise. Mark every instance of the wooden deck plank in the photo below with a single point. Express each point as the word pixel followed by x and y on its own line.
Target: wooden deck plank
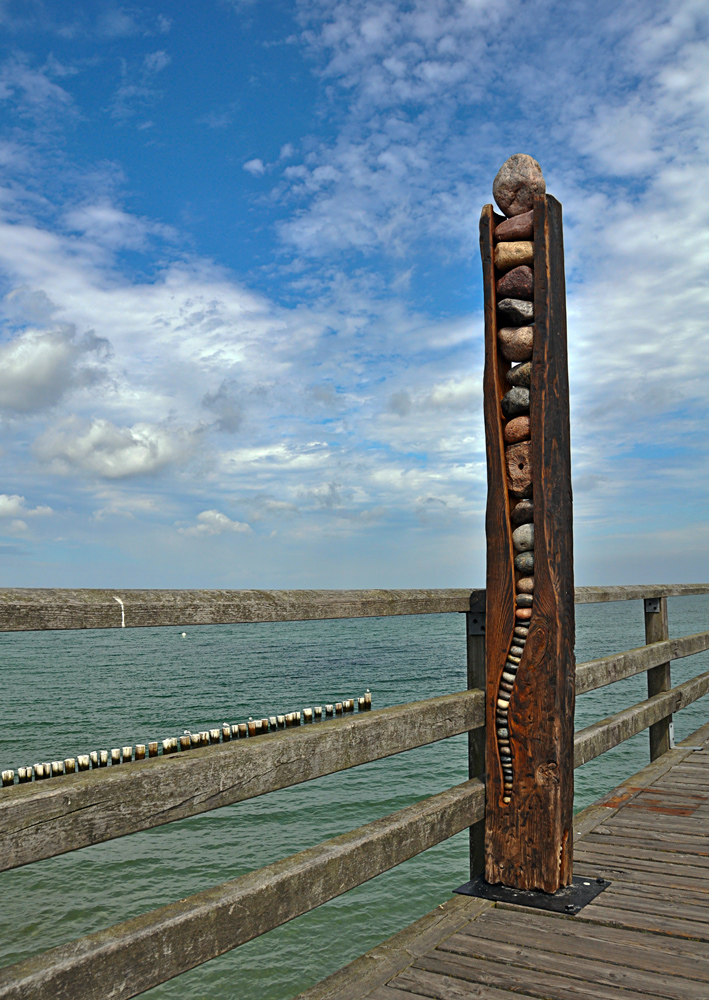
pixel 645 937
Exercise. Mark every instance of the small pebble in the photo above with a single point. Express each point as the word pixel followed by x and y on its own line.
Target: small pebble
pixel 506 799
pixel 510 678
pixel 524 600
pixel 523 538
pixel 516 651
pixel 503 732
pixel 515 402
pixel 509 255
pixel 517 430
pixel 517 311
pixel 503 702
pixel 519 227
pixel 519 465
pixel 523 613
pixel 525 585
pixel 520 375
pixel 512 662
pixel 516 183
pixel 522 513
pixel 522 631
pixel 524 562
pixel 516 342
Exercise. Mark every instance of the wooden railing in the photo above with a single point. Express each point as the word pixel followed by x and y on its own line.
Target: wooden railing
pixel 42 819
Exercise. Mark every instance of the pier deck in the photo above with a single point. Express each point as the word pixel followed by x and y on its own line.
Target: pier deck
pixel 646 935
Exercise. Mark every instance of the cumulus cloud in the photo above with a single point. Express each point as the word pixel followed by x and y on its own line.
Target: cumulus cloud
pixel 213 522
pixel 39 367
pixel 102 449
pixel 16 506
pixel 255 167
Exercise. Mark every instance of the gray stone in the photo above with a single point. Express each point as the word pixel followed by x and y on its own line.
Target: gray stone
pixel 517 311
pixel 525 585
pixel 502 731
pixel 523 538
pixel 522 513
pixel 521 631
pixel 515 402
pixel 516 650
pixel 524 562
pixel 516 183
pixel 524 600
pixel 520 375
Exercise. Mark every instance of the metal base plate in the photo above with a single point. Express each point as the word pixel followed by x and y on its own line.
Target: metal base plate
pixel 570 899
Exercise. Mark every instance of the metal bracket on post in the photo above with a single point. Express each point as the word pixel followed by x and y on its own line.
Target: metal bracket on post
pixel 652 605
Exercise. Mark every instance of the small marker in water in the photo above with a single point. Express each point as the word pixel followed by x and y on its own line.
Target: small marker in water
pixel 153 749
pixel 328 710
pixel 70 765
pixel 8 778
pixel 84 761
pixel 127 754
pixel 184 635
pixel 185 741
pixel 115 756
pixel 281 720
pixel 140 751
pixel 103 758
pixel 57 768
pixel 93 757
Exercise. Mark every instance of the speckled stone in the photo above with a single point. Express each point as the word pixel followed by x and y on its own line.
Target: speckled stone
pixel 524 600
pixel 510 678
pixel 516 311
pixel 524 562
pixel 515 402
pixel 516 650
pixel 516 430
pixel 520 375
pixel 502 732
pixel 519 227
pixel 521 631
pixel 516 342
pixel 516 183
pixel 524 614
pixel 525 585
pixel 509 255
pixel 514 660
pixel 523 538
pixel 518 459
pixel 522 513
pixel 516 284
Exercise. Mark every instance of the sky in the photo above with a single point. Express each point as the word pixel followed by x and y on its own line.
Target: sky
pixel 241 336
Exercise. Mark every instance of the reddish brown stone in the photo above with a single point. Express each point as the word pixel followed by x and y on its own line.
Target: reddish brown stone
pixel 519 227
pixel 517 181
pixel 517 430
pixel 523 614
pixel 517 284
pixel 519 468
pixel 516 342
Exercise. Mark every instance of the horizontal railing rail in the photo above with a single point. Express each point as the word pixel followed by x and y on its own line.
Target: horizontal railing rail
pixel 134 956
pixel 25 609
pixel 43 819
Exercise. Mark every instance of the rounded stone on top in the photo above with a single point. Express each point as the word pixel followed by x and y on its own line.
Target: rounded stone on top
pixel 517 181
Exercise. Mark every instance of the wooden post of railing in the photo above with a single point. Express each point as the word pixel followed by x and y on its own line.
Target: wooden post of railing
pixel 659 678
pixel 475 642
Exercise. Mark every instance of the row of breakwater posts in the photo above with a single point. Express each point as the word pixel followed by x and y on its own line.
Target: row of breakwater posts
pixel 631 922
pixel 207 737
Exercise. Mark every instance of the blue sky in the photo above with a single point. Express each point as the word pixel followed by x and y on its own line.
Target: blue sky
pixel 241 298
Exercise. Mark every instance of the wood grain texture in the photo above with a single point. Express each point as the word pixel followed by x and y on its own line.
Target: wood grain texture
pixel 134 956
pixel 659 678
pixel 27 609
pixel 601 736
pixel 529 841
pixel 43 819
pixel 594 674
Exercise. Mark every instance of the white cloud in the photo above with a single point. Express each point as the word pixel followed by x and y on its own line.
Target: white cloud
pixel 102 449
pixel 16 506
pixel 255 167
pixel 213 522
pixel 39 367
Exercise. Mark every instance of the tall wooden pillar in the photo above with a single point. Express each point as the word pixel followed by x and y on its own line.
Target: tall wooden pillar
pixel 528 823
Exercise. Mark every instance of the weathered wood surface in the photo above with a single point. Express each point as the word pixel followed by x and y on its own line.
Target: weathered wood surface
pixel 42 819
pixel 27 609
pixel 529 839
pixel 604 953
pixel 659 677
pixel 132 957
pixel 597 673
pixel 601 736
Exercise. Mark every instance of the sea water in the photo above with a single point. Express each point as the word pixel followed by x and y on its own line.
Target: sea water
pixel 66 693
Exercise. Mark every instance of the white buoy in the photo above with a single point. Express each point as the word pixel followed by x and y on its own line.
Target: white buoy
pixel 184 635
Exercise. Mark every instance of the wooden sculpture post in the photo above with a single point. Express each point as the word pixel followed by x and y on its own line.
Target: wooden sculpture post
pixel 530 586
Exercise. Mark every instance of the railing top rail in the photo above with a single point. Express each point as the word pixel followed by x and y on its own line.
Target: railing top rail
pixel 28 609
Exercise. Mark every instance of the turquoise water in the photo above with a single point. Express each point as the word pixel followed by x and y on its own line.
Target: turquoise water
pixel 68 693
